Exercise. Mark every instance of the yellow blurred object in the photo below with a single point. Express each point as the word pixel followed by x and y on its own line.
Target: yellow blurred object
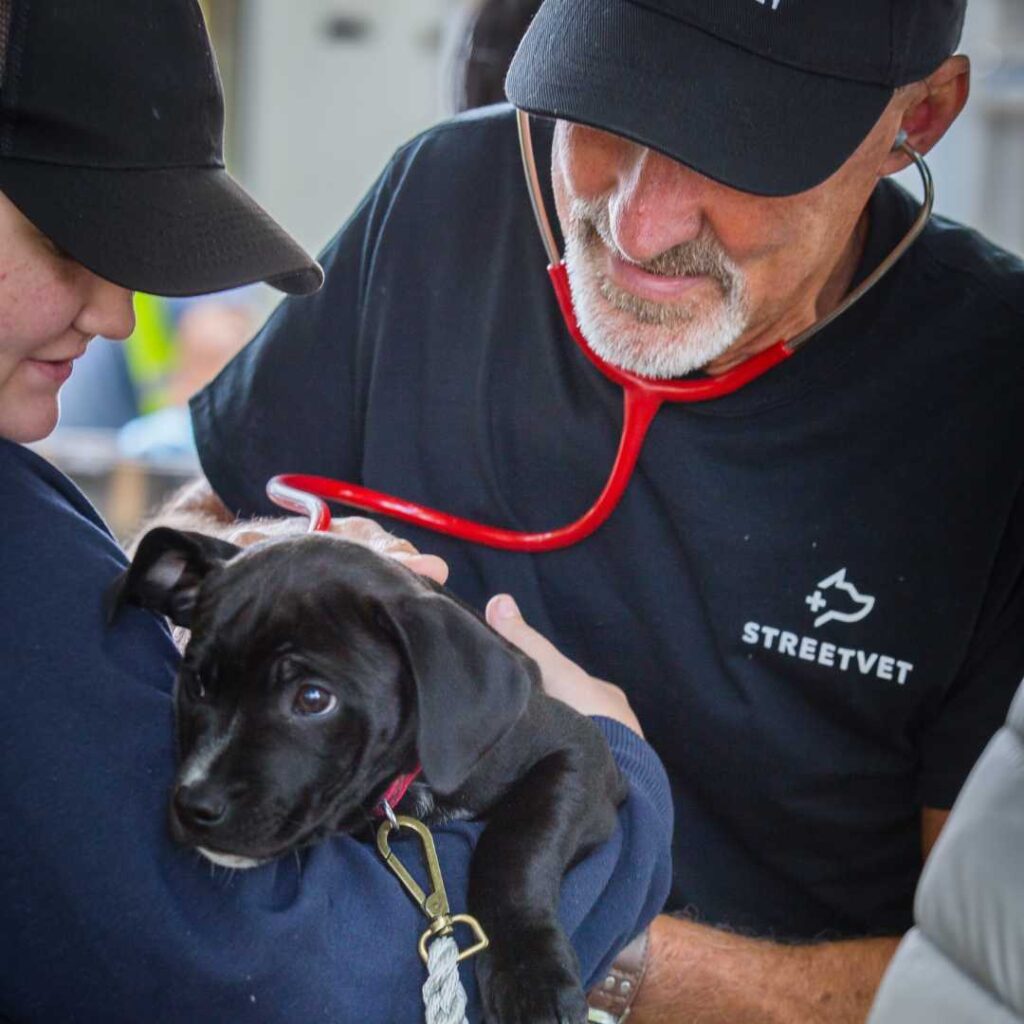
pixel 150 352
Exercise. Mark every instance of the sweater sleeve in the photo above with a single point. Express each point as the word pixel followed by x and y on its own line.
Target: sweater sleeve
pixel 616 892
pixel 105 919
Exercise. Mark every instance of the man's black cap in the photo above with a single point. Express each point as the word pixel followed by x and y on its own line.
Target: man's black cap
pixel 766 96
pixel 111 135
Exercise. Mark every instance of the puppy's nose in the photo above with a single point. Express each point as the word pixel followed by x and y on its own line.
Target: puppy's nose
pixel 201 806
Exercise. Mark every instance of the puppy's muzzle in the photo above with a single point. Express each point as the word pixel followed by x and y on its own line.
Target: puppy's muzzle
pixel 199 813
pixel 201 807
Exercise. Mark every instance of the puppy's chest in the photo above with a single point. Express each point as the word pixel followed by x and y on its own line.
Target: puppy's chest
pixel 421 802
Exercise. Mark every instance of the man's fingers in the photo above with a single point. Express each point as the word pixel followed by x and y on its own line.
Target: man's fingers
pixel 361 530
pixel 370 534
pixel 357 529
pixel 562 678
pixel 503 615
pixel 426 565
pixel 245 537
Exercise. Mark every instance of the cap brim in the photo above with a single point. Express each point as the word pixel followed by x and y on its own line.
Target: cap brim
pixel 747 122
pixel 177 231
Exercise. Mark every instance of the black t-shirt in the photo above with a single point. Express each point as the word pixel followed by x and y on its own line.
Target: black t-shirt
pixel 812 589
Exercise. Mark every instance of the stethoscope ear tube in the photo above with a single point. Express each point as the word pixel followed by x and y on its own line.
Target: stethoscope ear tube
pixel 642 398
pixel 883 268
pixel 540 213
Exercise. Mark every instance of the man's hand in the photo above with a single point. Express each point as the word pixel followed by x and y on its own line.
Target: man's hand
pixel 357 529
pixel 562 678
pixel 196 507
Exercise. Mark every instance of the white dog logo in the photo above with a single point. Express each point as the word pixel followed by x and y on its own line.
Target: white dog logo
pixel 816 601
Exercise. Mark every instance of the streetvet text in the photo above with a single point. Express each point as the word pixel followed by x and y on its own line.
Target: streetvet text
pixel 809 648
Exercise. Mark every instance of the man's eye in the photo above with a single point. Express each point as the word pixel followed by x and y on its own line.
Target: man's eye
pixel 314 700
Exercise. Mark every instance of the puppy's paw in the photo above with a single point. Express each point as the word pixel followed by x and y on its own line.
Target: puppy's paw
pixel 531 976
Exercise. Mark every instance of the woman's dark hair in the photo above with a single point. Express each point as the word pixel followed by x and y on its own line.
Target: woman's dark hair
pixel 490 41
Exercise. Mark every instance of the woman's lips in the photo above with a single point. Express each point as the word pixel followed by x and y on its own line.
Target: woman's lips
pixel 55 370
pixel 654 287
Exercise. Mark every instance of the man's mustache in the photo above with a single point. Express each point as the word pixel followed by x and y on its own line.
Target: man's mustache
pixel 703 256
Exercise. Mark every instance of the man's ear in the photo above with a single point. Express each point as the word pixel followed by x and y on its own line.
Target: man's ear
pixel 471 685
pixel 166 572
pixel 934 104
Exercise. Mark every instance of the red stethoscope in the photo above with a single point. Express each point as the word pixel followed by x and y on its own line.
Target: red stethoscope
pixel 642 398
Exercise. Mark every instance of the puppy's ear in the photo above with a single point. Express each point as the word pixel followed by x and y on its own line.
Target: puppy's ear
pixel 471 685
pixel 166 572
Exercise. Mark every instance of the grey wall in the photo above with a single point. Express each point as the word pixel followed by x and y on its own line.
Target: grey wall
pixel 326 91
pixel 979 166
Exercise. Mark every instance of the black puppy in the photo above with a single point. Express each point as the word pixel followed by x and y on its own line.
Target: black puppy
pixel 316 672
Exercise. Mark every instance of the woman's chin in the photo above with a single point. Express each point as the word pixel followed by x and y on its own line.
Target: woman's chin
pixel 26 422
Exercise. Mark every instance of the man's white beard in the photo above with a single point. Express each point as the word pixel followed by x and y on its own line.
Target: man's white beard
pixel 649 338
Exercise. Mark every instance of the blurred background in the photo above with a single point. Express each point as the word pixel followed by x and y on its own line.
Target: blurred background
pixel 319 93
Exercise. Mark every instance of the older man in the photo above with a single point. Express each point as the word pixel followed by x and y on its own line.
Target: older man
pixel 812 590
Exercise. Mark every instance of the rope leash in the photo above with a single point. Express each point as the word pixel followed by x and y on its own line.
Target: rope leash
pixel 444 996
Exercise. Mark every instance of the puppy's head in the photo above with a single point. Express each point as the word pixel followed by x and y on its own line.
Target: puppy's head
pixel 316 671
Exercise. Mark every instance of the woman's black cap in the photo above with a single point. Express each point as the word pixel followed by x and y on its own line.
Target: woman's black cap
pixel 766 96
pixel 111 143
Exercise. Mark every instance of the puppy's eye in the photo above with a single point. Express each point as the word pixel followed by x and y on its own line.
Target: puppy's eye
pixel 314 700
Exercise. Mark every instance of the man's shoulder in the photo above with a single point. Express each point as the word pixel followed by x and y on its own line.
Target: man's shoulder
pixel 472 157
pixel 980 273
pixel 452 181
pixel 957 298
pixel 452 201
pixel 473 134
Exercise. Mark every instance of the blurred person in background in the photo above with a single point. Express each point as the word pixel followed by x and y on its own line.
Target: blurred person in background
pixel 493 31
pixel 112 179
pixel 813 589
pixel 207 332
pixel 114 382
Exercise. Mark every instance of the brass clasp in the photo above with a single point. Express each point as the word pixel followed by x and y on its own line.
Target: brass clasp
pixel 435 903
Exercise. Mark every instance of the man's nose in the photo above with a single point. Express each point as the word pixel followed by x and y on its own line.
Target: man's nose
pixel 656 204
pixel 107 309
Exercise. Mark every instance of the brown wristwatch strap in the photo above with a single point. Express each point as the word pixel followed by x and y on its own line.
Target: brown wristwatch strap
pixel 611 998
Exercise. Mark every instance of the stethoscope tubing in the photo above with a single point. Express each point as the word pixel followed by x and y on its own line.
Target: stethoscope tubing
pixel 642 398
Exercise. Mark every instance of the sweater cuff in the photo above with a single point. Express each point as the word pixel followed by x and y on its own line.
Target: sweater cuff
pixel 641 766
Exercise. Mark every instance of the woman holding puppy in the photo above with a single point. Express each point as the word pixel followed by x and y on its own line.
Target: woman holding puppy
pixel 112 180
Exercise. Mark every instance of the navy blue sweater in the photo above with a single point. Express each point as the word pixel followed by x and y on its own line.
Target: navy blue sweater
pixel 105 920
